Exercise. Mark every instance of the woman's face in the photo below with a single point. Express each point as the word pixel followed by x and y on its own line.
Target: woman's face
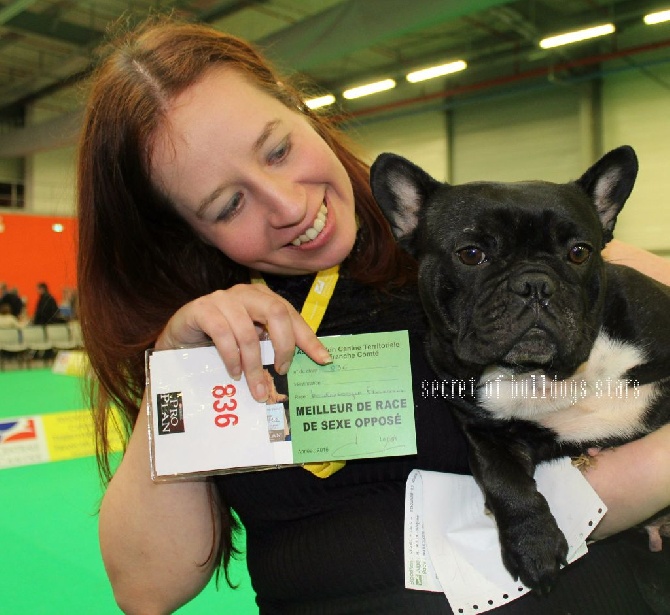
pixel 253 178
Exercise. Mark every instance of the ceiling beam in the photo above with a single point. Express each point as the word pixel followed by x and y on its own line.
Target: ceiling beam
pixel 353 25
pixel 224 8
pixel 46 26
pixel 13 9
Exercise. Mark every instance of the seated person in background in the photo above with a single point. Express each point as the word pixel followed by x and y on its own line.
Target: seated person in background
pixel 11 298
pixel 68 306
pixel 7 319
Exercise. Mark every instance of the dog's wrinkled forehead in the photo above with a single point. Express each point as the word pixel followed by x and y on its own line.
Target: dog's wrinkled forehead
pixel 532 207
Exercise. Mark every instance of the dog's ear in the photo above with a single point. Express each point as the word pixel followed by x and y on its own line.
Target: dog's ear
pixel 401 188
pixel 609 183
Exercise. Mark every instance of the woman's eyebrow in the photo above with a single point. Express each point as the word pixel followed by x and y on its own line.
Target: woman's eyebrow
pixel 265 135
pixel 207 201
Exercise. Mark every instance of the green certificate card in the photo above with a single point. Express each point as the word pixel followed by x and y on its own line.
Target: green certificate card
pixel 361 405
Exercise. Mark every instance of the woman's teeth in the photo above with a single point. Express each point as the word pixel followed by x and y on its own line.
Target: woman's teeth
pixel 316 228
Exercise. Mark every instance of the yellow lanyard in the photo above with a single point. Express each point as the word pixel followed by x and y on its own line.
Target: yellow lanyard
pixel 312 311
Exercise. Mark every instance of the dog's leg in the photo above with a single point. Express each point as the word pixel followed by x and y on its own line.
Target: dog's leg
pixel 533 547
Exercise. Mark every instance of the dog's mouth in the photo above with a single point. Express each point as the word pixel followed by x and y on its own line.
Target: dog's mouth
pixel 534 349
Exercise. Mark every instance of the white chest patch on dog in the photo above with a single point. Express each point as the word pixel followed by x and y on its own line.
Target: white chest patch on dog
pixel 596 402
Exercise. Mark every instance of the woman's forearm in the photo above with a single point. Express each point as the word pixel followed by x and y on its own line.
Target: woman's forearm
pixel 633 480
pixel 155 538
pixel 650 264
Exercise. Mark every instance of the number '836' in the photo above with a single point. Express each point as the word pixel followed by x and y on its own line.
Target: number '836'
pixel 225 405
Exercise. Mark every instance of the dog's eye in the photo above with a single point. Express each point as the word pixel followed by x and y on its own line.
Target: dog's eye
pixel 579 253
pixel 471 256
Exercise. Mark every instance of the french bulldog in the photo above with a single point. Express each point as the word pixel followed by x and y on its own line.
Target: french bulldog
pixel 567 351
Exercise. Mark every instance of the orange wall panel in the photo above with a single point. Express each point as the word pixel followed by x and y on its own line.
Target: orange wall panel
pixel 32 252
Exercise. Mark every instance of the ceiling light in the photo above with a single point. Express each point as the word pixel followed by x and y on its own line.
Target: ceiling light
pixel 321 101
pixel 576 36
pixel 657 17
pixel 435 71
pixel 57 228
pixel 370 88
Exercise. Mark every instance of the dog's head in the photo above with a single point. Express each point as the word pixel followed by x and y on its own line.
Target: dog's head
pixel 510 274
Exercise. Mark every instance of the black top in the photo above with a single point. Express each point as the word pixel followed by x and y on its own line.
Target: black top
pixel 335 545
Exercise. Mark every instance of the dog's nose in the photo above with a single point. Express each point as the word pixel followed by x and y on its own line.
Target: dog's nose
pixel 533 285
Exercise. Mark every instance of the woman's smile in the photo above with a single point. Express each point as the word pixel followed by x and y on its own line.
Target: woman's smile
pixel 315 230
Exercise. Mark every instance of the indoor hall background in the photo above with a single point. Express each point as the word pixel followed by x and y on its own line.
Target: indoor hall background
pixel 515 113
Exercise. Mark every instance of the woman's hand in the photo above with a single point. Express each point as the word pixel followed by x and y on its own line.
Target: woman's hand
pixel 231 320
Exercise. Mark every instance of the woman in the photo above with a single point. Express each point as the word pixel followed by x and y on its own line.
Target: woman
pixel 197 165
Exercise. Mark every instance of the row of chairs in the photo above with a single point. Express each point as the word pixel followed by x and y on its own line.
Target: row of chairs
pixel 34 341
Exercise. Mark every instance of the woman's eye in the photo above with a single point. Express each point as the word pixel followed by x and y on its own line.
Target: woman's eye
pixel 471 256
pixel 231 208
pixel 280 152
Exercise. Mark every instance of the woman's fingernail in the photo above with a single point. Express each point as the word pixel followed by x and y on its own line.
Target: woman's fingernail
pixel 261 392
pixel 284 367
pixel 324 357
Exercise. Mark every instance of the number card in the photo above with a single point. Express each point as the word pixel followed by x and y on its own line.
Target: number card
pixel 203 421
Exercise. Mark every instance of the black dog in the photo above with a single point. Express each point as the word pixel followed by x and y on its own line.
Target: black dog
pixel 568 351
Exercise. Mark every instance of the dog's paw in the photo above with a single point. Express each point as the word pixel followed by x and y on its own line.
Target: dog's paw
pixel 534 552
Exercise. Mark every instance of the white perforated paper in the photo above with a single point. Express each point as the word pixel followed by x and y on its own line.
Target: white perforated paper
pixel 451 544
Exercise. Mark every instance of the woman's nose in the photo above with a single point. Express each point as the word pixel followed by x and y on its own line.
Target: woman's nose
pixel 287 203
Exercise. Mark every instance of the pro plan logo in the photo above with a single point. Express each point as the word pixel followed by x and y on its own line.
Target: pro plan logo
pixel 170 413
